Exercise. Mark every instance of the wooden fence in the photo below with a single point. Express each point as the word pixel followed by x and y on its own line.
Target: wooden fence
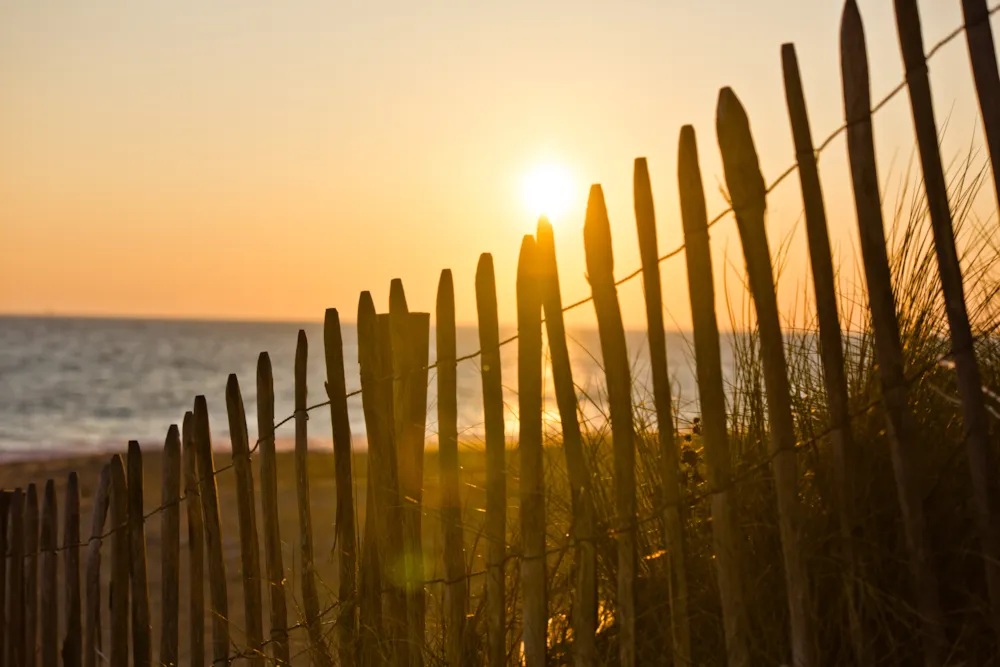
pixel 377 615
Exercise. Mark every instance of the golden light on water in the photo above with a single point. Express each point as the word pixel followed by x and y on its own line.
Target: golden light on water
pixel 547 190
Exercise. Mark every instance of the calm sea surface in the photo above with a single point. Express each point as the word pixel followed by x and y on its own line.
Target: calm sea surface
pixel 71 385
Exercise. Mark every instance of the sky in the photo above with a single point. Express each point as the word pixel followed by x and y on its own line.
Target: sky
pixel 259 160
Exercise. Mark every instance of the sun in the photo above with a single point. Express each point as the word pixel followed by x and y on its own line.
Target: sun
pixel 547 190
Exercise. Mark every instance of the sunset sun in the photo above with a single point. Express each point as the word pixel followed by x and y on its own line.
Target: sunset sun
pixel 547 190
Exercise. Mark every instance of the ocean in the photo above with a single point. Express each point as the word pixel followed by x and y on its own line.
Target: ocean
pixel 76 385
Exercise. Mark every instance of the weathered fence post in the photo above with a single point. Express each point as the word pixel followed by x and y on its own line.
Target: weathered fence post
pixel 310 597
pixel 207 485
pixel 496 466
pixel 645 219
pixel 530 455
pixel 384 506
pixel 170 546
pixel 978 450
pixel 600 271
pixel 72 646
pixel 584 619
pixel 246 509
pixel 888 349
pixel 119 593
pixel 31 576
pixel 49 606
pixel 345 529
pixel 456 592
pixel 92 633
pixel 830 345
pixel 982 52
pixel 5 498
pixel 196 543
pixel 269 508
pixel 409 453
pixel 712 399
pixel 15 582
pixel 142 641
pixel 746 187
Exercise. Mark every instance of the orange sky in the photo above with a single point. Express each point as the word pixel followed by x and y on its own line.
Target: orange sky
pixel 266 160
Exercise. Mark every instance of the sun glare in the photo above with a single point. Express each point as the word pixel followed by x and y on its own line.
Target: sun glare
pixel 548 190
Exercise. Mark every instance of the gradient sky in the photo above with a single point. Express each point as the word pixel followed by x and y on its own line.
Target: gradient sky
pixel 258 159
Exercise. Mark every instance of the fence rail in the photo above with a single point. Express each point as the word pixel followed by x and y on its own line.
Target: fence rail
pixel 378 613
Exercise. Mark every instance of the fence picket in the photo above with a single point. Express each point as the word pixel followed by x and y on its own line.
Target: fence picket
pixel 92 642
pixel 345 528
pixel 15 582
pixel 269 507
pixel 31 576
pixel 409 457
pixel 982 52
pixel 888 349
pixel 119 592
pixel 456 593
pixel 49 605
pixel 5 498
pixel 247 511
pixel 196 543
pixel 496 466
pixel 978 450
pixel 645 219
pixel 581 497
pixel 530 455
pixel 170 545
pixel 207 485
pixel 712 399
pixel 600 269
pixel 746 187
pixel 72 646
pixel 384 532
pixel 142 640
pixel 830 344
pixel 310 596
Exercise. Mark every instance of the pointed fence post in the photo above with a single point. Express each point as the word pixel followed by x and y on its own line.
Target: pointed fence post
pixel 14 655
pixel 170 546
pixel 345 529
pixel 496 465
pixel 92 649
pixel 978 449
pixel 830 344
pixel 207 485
pixel 5 498
pixel 246 509
pixel 530 455
pixel 119 594
pixel 49 606
pixel 142 641
pixel 746 187
pixel 584 620
pixel 310 597
pixel 269 507
pixel 645 218
pixel 72 646
pixel 196 544
pixel 31 577
pixel 888 349
pixel 712 399
pixel 409 438
pixel 982 52
pixel 383 534
pixel 456 592
pixel 600 271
